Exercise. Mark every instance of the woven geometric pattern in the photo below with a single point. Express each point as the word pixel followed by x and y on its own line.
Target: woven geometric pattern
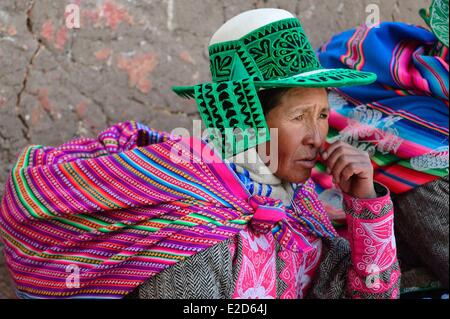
pixel 279 49
pixel 233 110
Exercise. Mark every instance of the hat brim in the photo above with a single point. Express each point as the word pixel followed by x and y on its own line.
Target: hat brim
pixel 322 78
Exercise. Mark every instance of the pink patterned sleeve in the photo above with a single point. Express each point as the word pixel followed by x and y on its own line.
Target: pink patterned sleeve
pixel 374 271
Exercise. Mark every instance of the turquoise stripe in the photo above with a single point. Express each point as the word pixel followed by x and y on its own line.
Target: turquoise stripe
pixel 435 85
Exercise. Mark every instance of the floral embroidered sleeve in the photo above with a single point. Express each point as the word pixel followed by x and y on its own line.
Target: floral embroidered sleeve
pixel 365 265
pixel 374 270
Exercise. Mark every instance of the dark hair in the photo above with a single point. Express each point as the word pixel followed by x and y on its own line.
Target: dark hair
pixel 270 98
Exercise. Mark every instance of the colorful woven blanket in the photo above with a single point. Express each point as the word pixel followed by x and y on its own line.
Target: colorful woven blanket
pixel 98 217
pixel 402 119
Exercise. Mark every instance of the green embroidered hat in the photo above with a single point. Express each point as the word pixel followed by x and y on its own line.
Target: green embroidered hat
pixel 257 49
pixel 437 19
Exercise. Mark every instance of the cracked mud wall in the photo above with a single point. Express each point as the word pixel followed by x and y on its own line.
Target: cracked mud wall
pixel 58 83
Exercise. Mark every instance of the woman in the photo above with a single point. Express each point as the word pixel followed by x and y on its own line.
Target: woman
pixel 256 265
pixel 130 219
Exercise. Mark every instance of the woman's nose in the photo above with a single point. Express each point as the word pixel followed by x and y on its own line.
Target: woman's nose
pixel 313 137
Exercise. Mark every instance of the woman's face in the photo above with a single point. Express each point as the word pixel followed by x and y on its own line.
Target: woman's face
pixel 301 118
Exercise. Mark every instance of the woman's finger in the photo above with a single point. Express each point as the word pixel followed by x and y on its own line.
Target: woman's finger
pixel 338 153
pixel 361 169
pixel 345 161
pixel 326 154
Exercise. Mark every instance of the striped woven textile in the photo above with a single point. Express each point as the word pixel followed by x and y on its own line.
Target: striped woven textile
pixel 305 202
pixel 402 119
pixel 98 217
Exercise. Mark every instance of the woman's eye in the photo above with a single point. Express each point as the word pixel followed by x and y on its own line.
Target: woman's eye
pixel 299 118
pixel 324 116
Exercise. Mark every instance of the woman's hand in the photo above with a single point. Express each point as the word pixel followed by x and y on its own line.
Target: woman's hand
pixel 351 169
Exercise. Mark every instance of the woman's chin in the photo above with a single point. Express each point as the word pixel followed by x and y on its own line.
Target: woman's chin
pixel 295 175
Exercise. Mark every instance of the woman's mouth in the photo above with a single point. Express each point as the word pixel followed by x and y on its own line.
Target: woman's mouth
pixel 308 162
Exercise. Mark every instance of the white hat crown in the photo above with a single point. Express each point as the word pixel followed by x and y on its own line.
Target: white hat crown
pixel 246 22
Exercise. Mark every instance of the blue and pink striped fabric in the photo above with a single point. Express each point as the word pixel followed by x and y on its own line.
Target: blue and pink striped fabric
pixel 402 119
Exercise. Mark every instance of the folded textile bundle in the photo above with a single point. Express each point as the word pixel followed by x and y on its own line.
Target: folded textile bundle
pixel 98 217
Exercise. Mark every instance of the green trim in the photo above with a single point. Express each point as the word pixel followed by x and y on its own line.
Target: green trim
pixel 232 109
pixel 264 31
pixel 276 50
pixel 238 222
